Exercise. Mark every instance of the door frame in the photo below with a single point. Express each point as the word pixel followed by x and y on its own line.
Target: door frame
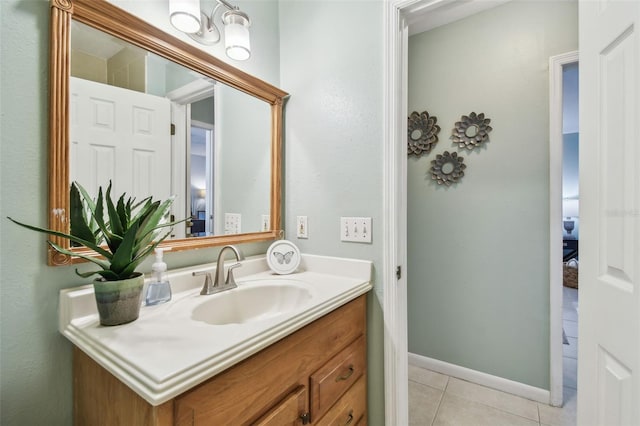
pixel 394 245
pixel 556 65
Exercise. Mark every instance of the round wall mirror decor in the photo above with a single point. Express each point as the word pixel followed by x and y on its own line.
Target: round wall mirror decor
pixel 447 168
pixel 422 133
pixel 471 131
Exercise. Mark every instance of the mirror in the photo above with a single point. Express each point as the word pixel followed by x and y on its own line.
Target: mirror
pixel 447 168
pixel 221 158
pixel 123 102
pixel 416 135
pixel 471 131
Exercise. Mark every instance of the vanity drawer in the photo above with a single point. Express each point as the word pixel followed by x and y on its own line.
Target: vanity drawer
pixel 288 412
pixel 351 408
pixel 335 377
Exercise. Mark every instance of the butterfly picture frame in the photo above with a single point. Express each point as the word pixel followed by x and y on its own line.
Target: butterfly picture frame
pixel 283 257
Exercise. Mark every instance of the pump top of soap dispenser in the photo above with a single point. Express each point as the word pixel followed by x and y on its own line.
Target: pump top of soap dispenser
pixel 159 267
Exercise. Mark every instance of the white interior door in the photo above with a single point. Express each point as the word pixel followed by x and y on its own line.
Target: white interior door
pixel 609 335
pixel 120 135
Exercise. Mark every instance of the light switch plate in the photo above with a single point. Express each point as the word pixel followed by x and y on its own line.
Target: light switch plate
pixel 355 229
pixel 265 223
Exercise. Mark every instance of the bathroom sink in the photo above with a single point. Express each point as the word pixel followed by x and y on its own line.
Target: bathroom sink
pixel 252 301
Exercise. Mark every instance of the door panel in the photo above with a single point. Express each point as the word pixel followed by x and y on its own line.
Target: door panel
pixel 120 135
pixel 609 353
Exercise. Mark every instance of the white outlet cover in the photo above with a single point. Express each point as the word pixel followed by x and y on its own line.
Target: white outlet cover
pixel 302 227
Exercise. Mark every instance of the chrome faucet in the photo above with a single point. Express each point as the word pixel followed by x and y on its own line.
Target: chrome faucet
pixel 220 284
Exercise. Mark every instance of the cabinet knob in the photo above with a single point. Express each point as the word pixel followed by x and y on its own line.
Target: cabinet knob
pixel 306 418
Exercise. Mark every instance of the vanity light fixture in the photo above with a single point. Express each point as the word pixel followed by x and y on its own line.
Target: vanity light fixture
pixel 186 16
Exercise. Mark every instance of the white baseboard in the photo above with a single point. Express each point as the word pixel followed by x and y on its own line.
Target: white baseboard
pixel 480 378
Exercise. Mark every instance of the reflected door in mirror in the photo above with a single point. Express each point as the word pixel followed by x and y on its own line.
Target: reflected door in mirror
pixel 122 136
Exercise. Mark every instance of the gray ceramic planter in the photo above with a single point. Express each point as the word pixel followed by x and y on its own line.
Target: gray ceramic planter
pixel 119 301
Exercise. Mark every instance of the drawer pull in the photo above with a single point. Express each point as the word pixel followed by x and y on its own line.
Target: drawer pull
pixel 350 418
pixel 347 375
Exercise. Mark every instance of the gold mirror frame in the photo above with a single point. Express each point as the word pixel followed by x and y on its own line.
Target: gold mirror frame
pixel 106 17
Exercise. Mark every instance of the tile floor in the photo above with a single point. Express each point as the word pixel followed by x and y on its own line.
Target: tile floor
pixel 436 399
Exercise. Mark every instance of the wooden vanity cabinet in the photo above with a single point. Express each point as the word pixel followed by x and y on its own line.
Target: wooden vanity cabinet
pixel 316 375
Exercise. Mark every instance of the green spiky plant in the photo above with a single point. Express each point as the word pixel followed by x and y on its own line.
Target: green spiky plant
pixel 132 232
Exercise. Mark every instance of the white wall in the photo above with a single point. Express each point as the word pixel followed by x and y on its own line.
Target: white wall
pixel 331 63
pixel 478 252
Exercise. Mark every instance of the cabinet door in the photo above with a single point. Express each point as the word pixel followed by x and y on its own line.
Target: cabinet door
pixel 290 411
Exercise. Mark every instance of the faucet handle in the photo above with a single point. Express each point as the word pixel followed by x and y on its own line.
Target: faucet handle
pixel 206 288
pixel 230 280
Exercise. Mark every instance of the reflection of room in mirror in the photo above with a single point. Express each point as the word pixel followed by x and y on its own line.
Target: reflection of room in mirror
pixel 201 177
pixel 106 70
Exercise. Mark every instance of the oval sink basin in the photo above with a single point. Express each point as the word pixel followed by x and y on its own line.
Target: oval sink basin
pixel 252 302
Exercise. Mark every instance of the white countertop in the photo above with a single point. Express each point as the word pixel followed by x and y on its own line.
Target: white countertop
pixel 165 352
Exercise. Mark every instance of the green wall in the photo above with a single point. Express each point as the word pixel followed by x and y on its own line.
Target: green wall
pixel 35 360
pixel 333 160
pixel 332 63
pixel 243 137
pixel 478 252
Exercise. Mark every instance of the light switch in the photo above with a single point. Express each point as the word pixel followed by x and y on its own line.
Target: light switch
pixel 265 223
pixel 302 227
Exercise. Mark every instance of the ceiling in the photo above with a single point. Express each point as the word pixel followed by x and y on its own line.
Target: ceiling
pixel 426 15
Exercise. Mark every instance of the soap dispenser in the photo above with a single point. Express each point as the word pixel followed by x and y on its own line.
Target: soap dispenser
pixel 158 290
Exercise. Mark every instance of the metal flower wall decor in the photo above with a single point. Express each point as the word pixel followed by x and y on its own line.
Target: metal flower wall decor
pixel 447 168
pixel 471 131
pixel 422 133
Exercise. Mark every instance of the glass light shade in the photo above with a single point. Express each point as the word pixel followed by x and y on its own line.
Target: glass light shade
pixel 185 15
pixel 236 35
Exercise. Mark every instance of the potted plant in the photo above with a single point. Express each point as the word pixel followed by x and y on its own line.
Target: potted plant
pixel 132 231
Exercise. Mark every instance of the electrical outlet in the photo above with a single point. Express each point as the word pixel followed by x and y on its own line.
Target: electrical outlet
pixel 302 227
pixel 265 223
pixel 355 229
pixel 232 223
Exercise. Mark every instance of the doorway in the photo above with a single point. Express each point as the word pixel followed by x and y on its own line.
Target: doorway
pixel 405 12
pixel 201 173
pixel 571 227
pixel 564 226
